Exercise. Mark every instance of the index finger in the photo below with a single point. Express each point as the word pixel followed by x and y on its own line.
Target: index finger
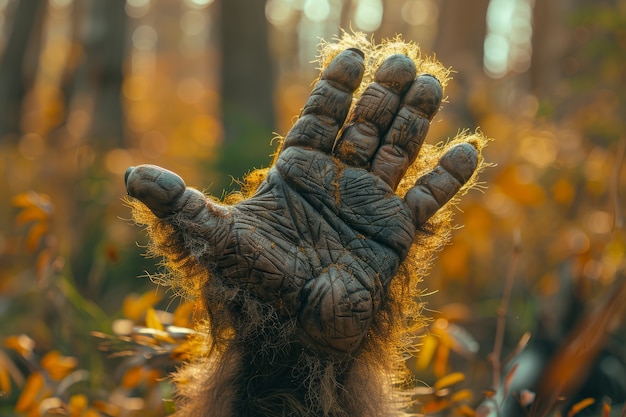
pixel 329 103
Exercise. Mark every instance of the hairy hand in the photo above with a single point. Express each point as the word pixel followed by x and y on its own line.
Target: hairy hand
pixel 325 232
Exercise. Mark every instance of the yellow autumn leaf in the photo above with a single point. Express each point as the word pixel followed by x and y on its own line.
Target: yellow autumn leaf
pixel 152 320
pixel 91 413
pixel 606 409
pixel 152 376
pixel 31 393
pixel 134 305
pixel 440 365
pixel 77 404
pixel 183 351
pixel 5 382
pixel 35 235
pixel 579 406
pixel 30 214
pixel 183 314
pixel 107 408
pixel 436 405
pixel 57 365
pixel 30 199
pixel 427 351
pixel 132 377
pixel 448 380
pixel 464 395
pixel 465 410
pixel 43 263
pixel 22 344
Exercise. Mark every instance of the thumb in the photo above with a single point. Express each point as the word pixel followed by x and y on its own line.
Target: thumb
pixel 193 215
pixel 159 189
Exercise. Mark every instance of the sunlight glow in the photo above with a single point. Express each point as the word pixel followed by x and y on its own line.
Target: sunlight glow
pixel 138 3
pixel 198 4
pixel 368 15
pixel 145 38
pixel 193 22
pixel 137 8
pixel 420 12
pixel 278 12
pixel 60 4
pixel 316 10
pixel 508 43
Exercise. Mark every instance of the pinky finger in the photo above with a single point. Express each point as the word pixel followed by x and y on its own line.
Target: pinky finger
pixel 436 188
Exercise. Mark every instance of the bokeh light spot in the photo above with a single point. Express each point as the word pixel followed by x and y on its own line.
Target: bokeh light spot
pixel 145 38
pixel 198 4
pixel 60 4
pixel 153 144
pixel 277 12
pixel 368 15
pixel 193 22
pixel 541 149
pixel 316 10
pixel 32 146
pixel 137 9
pixel 117 161
pixel 190 90
pixel 600 222
pixel 419 12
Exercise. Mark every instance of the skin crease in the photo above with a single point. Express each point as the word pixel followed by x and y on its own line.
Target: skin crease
pixel 319 242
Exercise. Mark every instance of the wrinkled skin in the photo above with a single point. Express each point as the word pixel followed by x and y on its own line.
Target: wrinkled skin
pixel 324 234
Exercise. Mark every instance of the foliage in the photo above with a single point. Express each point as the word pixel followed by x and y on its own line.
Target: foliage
pixel 541 248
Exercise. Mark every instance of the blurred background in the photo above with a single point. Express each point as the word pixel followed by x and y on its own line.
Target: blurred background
pixel 527 302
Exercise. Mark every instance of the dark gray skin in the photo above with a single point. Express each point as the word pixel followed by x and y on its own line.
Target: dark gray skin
pixel 325 233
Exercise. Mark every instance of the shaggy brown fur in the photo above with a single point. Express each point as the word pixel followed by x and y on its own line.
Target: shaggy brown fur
pixel 251 363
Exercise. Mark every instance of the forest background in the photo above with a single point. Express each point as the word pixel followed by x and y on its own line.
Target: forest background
pixel 535 273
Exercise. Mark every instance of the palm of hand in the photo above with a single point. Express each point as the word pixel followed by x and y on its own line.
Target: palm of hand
pixel 318 241
pixel 325 233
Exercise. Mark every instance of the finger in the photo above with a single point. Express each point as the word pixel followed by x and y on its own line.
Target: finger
pixel 437 187
pixel 159 189
pixel 402 143
pixel 190 226
pixel 329 103
pixel 166 195
pixel 375 110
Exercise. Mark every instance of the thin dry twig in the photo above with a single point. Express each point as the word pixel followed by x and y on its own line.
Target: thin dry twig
pixel 496 355
pixel 618 221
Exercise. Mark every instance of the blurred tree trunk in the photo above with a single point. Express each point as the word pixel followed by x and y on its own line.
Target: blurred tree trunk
pixel 16 75
pixel 392 23
pixel 549 44
pixel 347 8
pixel 459 44
pixel 247 67
pixel 105 46
pixel 247 86
pixel 94 81
pixel 461 35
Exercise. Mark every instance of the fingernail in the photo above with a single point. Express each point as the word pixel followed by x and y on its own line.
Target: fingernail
pixel 127 174
pixel 425 95
pixel 460 161
pixel 358 51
